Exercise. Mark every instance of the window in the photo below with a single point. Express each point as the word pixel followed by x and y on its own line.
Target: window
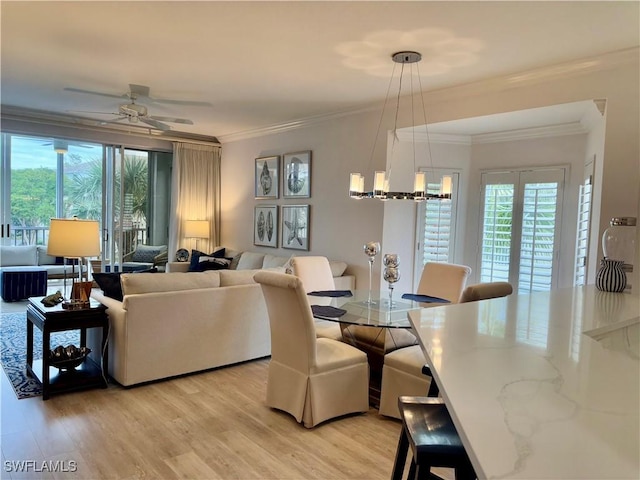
pixel 436 224
pixel 521 212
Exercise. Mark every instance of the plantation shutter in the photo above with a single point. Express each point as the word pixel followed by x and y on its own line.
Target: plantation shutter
pixel 582 234
pixel 435 232
pixel 497 232
pixel 520 224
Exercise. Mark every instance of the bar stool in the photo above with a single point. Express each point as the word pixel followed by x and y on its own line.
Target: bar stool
pixel 427 427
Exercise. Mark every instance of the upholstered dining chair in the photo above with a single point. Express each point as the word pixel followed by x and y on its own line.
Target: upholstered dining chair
pixel 313 379
pixel 485 291
pixel 405 371
pixel 443 280
pixel 315 273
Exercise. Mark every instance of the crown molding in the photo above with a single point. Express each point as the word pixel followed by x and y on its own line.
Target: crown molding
pixel 574 128
pixel 583 66
pixel 11 113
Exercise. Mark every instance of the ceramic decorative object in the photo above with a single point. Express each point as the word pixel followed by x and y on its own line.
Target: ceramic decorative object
pixel 391 273
pixel 611 277
pixel 68 358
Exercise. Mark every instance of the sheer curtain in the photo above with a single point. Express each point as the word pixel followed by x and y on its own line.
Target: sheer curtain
pixel 195 184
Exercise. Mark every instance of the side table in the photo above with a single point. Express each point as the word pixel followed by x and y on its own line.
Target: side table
pixel 56 319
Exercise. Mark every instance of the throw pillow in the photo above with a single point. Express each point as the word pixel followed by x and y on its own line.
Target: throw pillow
pixel 110 283
pixel 146 253
pixel 212 263
pixel 195 258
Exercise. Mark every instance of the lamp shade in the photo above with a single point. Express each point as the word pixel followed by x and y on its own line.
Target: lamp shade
pixel 196 228
pixel 71 237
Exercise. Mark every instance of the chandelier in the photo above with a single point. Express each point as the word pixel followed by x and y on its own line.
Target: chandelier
pixel 381 179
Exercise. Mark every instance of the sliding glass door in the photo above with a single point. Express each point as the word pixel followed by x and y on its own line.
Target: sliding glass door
pixel 126 190
pixel 43 178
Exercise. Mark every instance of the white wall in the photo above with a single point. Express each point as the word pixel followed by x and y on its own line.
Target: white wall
pixel 340 226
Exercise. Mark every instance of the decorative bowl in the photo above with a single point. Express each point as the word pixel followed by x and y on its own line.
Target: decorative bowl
pixel 69 357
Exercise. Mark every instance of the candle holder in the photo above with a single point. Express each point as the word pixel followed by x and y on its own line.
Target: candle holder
pixel 371 249
pixel 391 273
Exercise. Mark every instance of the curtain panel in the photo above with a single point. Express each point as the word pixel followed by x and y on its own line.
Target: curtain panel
pixel 195 186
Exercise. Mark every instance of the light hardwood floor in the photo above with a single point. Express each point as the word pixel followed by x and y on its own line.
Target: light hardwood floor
pixel 211 425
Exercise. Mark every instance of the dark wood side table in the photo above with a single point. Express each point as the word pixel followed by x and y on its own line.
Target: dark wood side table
pixel 56 319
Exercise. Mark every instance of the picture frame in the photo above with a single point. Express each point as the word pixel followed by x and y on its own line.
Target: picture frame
pixel 267 170
pixel 265 226
pixel 296 175
pixel 295 227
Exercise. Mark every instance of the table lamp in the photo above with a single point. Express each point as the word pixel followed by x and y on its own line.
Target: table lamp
pixel 196 229
pixel 74 238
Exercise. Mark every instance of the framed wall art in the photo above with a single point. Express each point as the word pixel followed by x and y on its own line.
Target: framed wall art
pixel 265 225
pixel 296 179
pixel 267 177
pixel 295 227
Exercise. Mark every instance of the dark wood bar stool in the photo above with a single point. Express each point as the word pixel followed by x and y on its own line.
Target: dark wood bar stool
pixel 427 427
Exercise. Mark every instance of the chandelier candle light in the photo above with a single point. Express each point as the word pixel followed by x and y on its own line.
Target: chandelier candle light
pixel 381 179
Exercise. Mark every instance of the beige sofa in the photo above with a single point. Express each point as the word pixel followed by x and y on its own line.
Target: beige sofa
pixel 257 261
pixel 170 324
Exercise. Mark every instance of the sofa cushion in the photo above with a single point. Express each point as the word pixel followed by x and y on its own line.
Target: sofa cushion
pixel 271 261
pixel 337 268
pixel 45 259
pixel 167 282
pixel 250 261
pixel 18 256
pixel 146 253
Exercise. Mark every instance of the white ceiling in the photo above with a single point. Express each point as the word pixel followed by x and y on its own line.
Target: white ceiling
pixel 261 64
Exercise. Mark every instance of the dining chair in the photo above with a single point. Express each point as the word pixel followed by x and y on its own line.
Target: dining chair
pixel 313 379
pixel 315 273
pixel 406 372
pixel 485 291
pixel 443 280
pixel 402 371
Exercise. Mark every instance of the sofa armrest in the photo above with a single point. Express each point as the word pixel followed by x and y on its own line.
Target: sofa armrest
pixel 173 267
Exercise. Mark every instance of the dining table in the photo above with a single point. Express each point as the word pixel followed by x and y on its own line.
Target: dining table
pixel 542 385
pixel 372 322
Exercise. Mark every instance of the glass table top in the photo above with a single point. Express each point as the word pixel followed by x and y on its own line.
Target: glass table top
pixel 358 310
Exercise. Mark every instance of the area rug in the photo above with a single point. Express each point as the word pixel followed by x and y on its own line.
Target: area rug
pixel 13 351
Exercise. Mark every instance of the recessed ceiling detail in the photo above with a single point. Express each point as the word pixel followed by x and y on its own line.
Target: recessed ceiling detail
pixel 441 51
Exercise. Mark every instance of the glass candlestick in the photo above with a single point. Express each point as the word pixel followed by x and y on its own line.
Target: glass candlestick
pixel 371 249
pixel 391 273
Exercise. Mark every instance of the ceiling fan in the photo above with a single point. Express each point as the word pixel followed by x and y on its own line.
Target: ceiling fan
pixel 135 113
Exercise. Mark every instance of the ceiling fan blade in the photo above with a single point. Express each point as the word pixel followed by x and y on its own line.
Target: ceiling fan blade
pixel 193 103
pixel 91 92
pixel 90 111
pixel 154 123
pixel 171 119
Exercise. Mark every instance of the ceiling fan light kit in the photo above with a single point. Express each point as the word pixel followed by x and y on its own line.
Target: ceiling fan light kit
pixel 381 179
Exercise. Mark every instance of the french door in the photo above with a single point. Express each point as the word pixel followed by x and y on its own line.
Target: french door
pixel 521 214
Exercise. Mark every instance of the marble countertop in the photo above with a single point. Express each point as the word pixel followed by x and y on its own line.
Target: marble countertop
pixel 541 386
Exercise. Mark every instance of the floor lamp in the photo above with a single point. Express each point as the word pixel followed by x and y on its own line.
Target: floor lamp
pixel 74 238
pixel 196 229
